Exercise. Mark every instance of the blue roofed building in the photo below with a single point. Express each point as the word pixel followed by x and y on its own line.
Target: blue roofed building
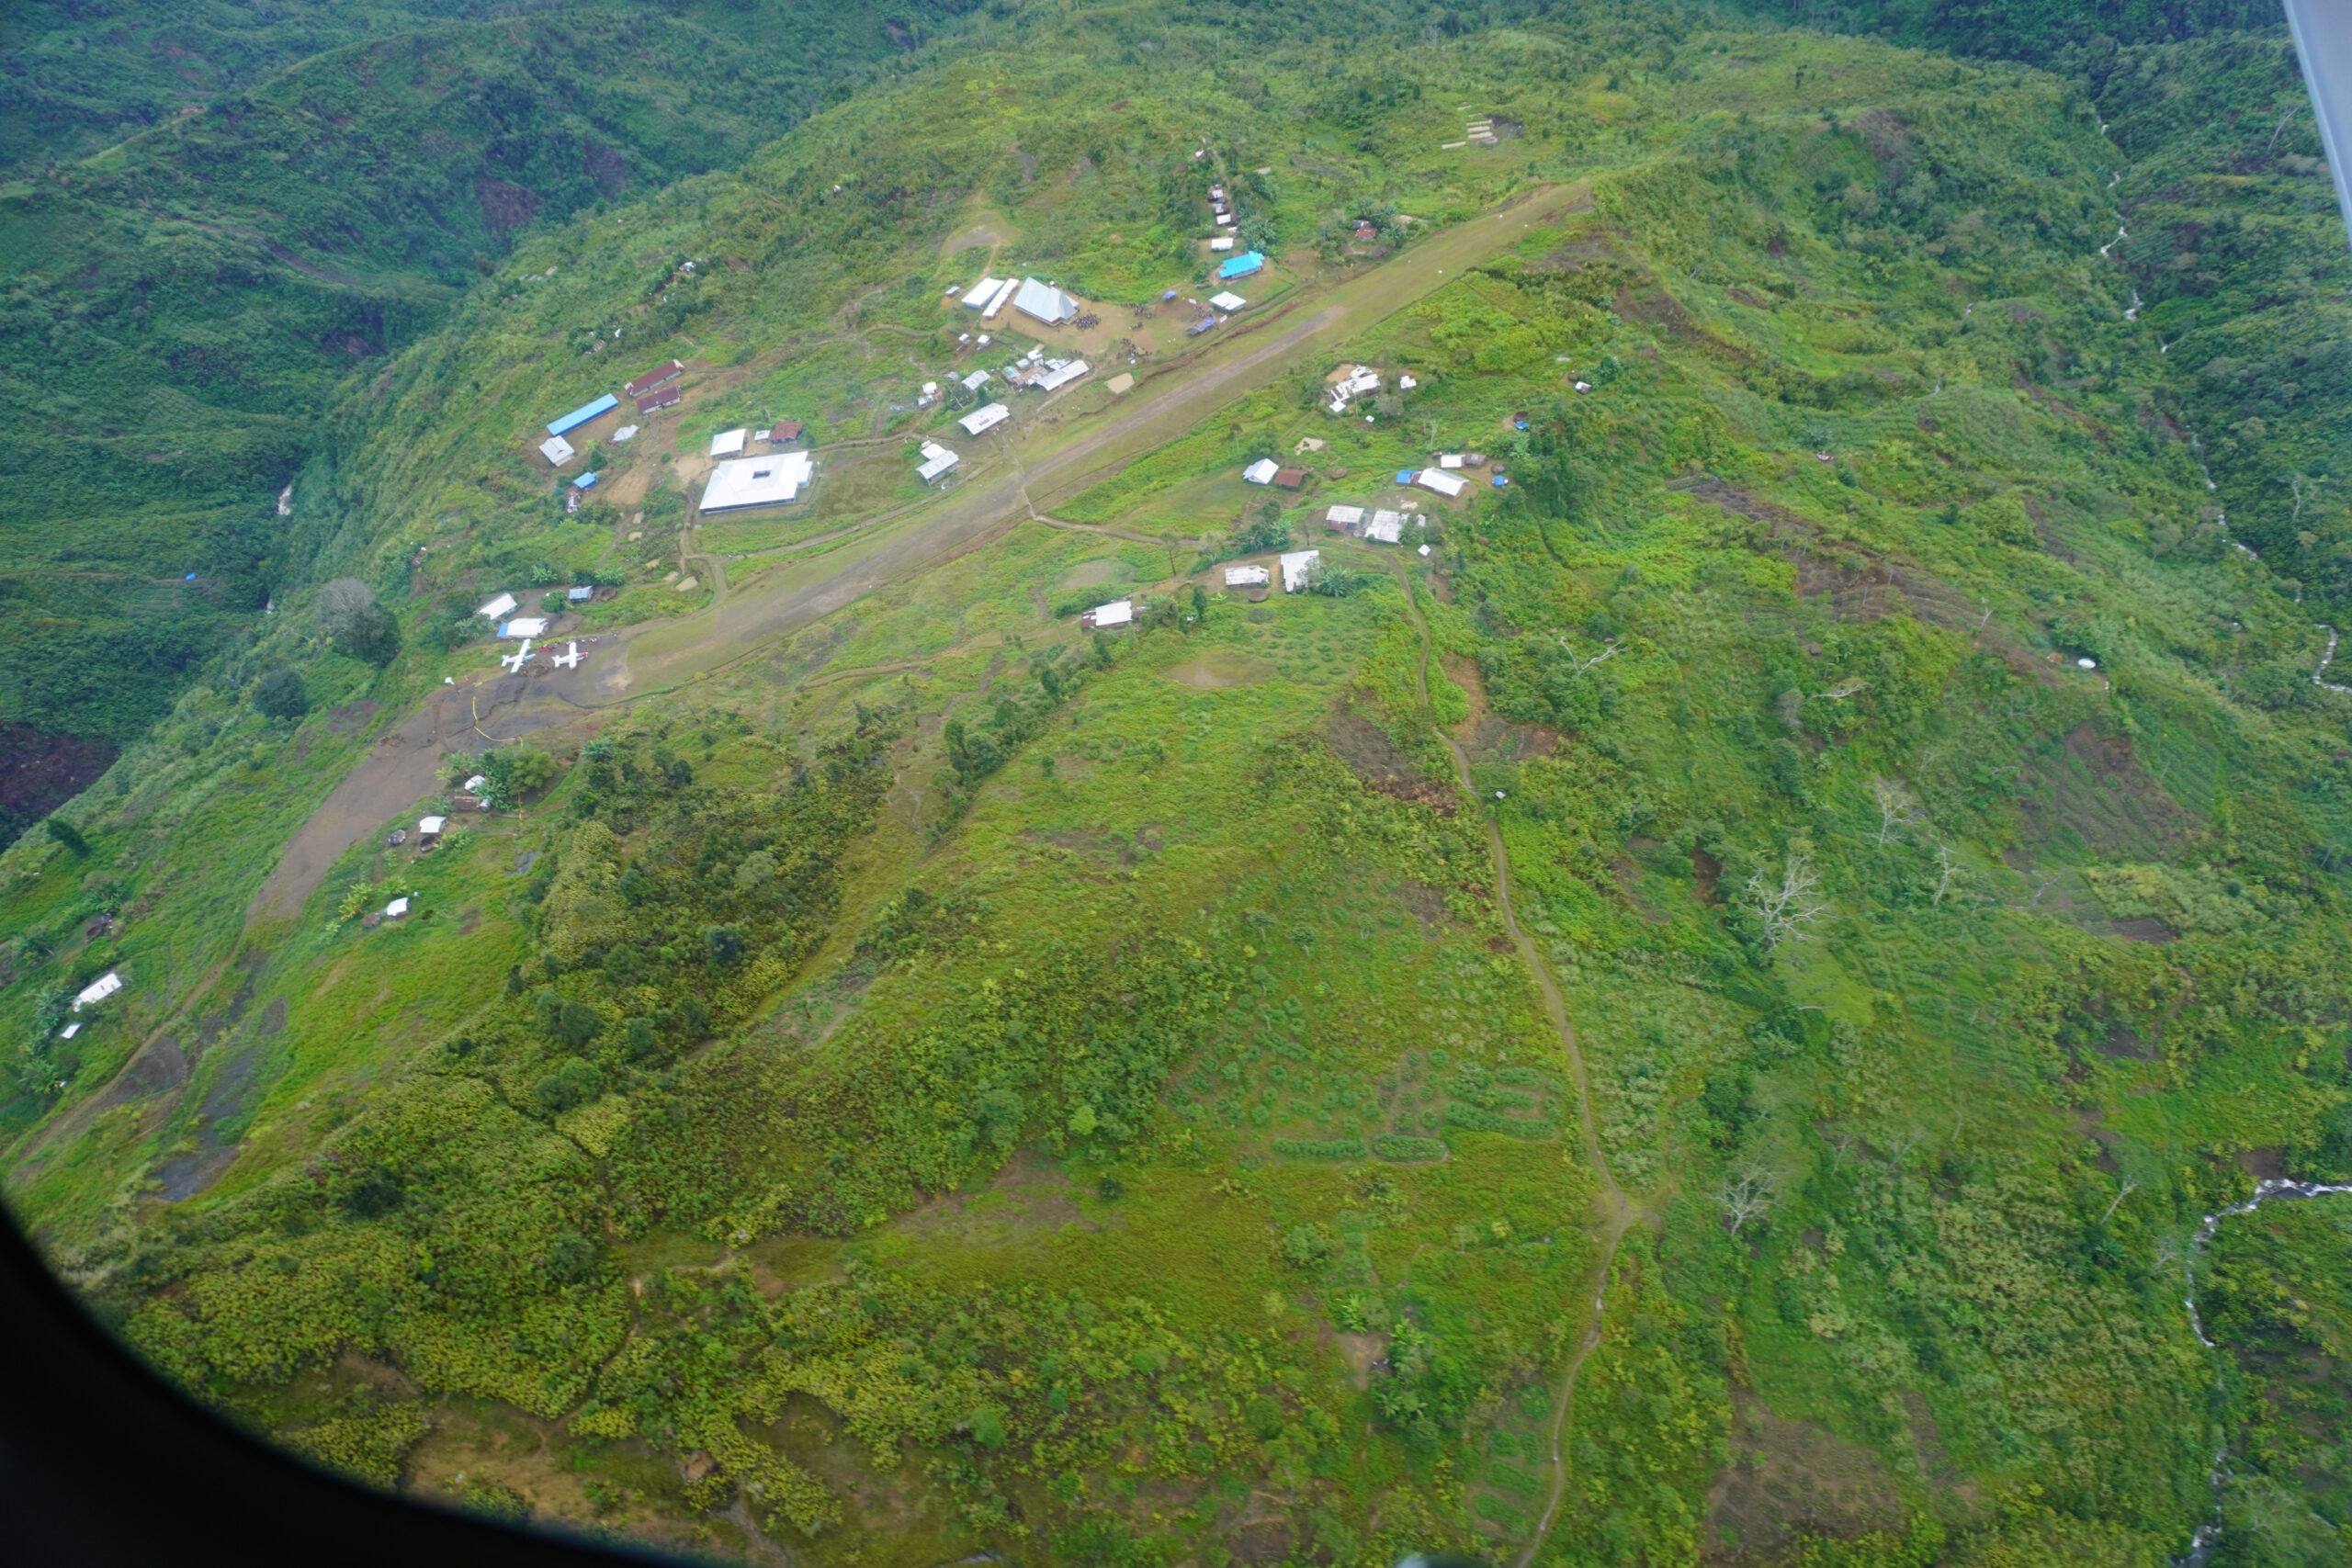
pixel 1241 266
pixel 585 481
pixel 582 415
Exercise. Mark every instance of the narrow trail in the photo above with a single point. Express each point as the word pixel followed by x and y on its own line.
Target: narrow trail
pixel 1618 1215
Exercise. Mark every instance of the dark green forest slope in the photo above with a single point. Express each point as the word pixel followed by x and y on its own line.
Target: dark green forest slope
pixel 1701 1021
pixel 182 308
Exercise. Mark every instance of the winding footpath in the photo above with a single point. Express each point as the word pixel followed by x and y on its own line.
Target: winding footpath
pixel 1617 1210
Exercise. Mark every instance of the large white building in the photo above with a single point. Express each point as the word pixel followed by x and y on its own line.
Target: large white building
pixel 1044 303
pixel 1297 566
pixel 772 481
pixel 980 421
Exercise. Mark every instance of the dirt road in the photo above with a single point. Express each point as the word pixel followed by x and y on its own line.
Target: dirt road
pixel 1050 463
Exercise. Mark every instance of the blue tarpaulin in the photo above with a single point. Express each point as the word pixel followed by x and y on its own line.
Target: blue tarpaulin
pixel 1501 481
pixel 585 481
pixel 582 415
pixel 1406 476
pixel 1242 265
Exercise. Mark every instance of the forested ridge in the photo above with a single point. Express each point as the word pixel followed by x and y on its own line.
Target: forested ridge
pixel 938 1081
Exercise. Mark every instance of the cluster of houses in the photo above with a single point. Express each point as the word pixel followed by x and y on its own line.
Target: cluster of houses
pixel 1375 526
pixel 1349 383
pixel 652 392
pixel 1451 476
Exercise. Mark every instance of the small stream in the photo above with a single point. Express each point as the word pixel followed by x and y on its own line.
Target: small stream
pixel 2208 1535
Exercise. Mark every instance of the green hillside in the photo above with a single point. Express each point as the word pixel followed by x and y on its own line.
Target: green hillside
pixel 183 309
pixel 1692 1010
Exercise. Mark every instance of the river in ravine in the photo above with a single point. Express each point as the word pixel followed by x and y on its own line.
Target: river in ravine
pixel 2208 1534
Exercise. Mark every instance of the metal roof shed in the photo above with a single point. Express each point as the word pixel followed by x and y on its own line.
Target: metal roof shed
pixel 983 420
pixel 1044 303
pixel 582 415
pixel 97 990
pixel 758 482
pixel 1445 484
pixel 1296 565
pixel 727 443
pixel 1117 613
pixel 652 379
pixel 1242 265
pixel 556 450
pixel 1262 471
pixel 501 605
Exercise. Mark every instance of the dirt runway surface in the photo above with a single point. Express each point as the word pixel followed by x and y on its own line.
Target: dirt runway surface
pixel 404 767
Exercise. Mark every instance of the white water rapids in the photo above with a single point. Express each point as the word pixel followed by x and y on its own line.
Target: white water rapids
pixel 2208 1535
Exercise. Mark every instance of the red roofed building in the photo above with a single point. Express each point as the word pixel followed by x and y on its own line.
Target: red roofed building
pixel 661 400
pixel 1291 479
pixel 787 429
pixel 654 378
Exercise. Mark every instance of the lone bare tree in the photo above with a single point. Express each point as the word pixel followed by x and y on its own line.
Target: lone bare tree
pixel 1746 1196
pixel 1795 902
pixel 1897 807
pixel 1945 871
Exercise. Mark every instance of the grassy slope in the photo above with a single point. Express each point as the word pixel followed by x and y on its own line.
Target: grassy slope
pixel 1199 927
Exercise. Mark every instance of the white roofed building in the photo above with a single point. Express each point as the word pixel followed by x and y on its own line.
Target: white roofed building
pixel 727 443
pixel 1227 301
pixel 976 381
pixel 1262 471
pixel 1345 517
pixel 774 480
pixel 524 626
pixel 1117 613
pixel 980 421
pixel 1043 302
pixel 1297 566
pixel 97 990
pixel 1385 527
pixel 1055 377
pixel 1445 484
pixel 556 450
pixel 981 295
pixel 501 605
pixel 937 460
pixel 1245 577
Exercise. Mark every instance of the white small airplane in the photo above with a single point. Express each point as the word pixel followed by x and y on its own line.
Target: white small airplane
pixel 516 659
pixel 569 659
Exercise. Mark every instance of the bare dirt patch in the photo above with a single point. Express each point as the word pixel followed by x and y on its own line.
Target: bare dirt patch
pixel 1216 670
pixel 40 772
pixel 2091 793
pixel 1788 1477
pixel 1030 1196
pixel 1376 759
